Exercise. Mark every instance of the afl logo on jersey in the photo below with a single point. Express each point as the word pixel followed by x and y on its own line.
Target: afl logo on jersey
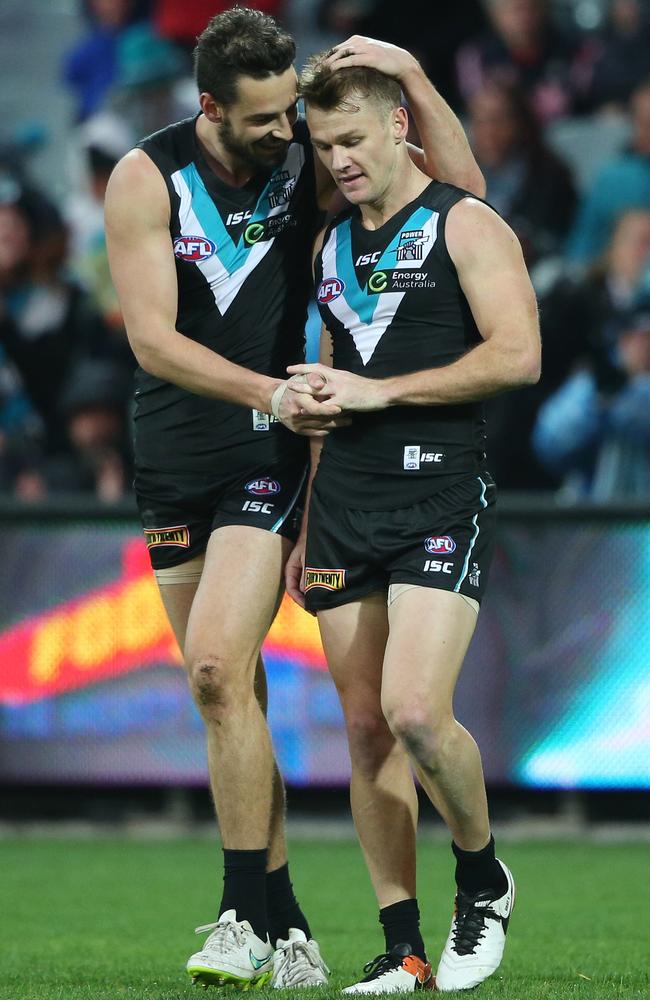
pixel 330 289
pixel 263 487
pixel 440 545
pixel 194 248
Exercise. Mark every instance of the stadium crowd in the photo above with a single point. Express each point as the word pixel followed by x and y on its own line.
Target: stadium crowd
pixel 555 95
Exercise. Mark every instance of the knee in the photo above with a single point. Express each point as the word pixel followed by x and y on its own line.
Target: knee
pixel 212 683
pixel 421 729
pixel 369 738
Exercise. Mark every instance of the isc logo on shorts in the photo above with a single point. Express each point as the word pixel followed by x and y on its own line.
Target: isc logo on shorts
pixel 194 248
pixel 263 487
pixel 178 534
pixel 440 545
pixel 330 289
pixel 328 579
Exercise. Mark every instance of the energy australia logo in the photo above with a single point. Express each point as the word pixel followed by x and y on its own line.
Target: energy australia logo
pixel 268 229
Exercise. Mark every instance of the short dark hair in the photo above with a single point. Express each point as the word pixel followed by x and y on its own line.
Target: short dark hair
pixel 240 42
pixel 329 89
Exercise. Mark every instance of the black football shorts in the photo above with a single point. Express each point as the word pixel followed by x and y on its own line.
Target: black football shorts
pixel 180 511
pixel 444 542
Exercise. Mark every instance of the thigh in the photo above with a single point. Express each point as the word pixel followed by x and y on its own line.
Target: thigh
pixel 354 639
pixel 238 595
pixel 429 633
pixel 177 586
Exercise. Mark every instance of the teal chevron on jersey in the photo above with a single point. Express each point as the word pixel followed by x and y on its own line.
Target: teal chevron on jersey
pixel 360 300
pixel 232 255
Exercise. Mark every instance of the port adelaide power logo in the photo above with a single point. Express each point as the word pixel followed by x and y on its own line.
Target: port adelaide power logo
pixel 194 249
pixel 411 244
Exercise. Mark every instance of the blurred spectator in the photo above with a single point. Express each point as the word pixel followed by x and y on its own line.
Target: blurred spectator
pixel 384 19
pixel 91 65
pixel 21 431
pixel 526 182
pixel 148 87
pixel 522 46
pixel 46 320
pixel 620 57
pixel 104 139
pixel 93 406
pixel 183 22
pixel 621 184
pixel 598 438
pixel 580 318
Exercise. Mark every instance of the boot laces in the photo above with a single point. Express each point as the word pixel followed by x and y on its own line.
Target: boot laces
pixel 298 959
pixel 227 937
pixel 469 922
pixel 380 965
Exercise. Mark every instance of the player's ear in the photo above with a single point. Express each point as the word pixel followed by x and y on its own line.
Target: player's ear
pixel 212 111
pixel 399 124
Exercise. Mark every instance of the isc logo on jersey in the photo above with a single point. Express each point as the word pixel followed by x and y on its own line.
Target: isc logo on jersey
pixel 194 248
pixel 440 545
pixel 330 289
pixel 263 487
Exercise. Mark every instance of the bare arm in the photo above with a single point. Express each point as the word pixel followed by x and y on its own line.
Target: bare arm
pixel 143 271
pixel 494 279
pixel 446 154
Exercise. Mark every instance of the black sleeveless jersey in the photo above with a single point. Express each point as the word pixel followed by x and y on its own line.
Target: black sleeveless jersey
pixel 392 301
pixel 242 260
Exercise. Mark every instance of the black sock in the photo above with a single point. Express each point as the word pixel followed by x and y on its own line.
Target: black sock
pixel 244 888
pixel 401 923
pixel 282 906
pixel 478 871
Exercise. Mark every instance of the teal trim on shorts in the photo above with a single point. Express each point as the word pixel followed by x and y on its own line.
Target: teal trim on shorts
pixel 280 521
pixel 476 534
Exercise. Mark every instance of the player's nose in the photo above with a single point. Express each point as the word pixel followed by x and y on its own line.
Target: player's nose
pixel 284 130
pixel 340 159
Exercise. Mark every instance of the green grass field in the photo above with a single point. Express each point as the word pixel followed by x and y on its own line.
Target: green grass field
pixel 114 919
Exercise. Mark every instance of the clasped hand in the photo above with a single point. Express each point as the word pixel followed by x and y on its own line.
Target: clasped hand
pixel 337 387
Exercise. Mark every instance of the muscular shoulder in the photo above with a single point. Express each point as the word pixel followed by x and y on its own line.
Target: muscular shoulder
pixel 136 191
pixel 474 230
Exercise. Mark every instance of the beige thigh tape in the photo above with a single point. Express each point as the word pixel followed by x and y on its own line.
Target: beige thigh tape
pixel 396 589
pixel 187 572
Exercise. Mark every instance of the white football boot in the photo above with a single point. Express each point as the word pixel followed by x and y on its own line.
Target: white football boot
pixel 232 955
pixel 298 962
pixel 474 948
pixel 398 971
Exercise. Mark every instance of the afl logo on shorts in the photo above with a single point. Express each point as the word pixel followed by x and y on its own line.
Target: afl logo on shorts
pixel 330 289
pixel 440 545
pixel 263 487
pixel 194 248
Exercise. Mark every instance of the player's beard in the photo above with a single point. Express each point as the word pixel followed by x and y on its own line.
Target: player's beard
pixel 261 155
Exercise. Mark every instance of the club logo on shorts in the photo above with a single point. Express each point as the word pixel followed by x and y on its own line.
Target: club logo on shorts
pixel 194 248
pixel 178 534
pixel 440 545
pixel 330 289
pixel 328 579
pixel 263 487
